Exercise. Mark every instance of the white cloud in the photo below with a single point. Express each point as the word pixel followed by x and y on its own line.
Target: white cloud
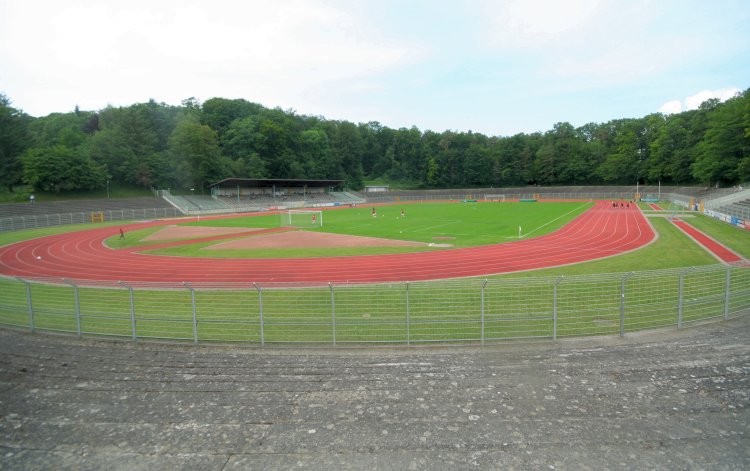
pixel 275 52
pixel 693 102
pixel 590 42
pixel 671 107
pixel 533 23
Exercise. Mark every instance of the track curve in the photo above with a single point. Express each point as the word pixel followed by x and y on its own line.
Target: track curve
pixel 600 232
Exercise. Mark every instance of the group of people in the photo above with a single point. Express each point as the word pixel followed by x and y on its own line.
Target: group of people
pixel 621 204
pixel 374 213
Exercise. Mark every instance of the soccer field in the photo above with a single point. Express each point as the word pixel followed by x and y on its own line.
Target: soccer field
pixel 459 224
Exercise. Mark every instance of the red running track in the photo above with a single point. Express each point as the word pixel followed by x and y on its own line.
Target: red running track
pixel 601 231
pixel 719 251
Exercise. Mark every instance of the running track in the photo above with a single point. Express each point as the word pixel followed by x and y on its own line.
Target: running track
pixel 600 232
pixel 718 250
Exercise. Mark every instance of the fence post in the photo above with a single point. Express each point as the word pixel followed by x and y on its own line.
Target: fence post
pixel 78 306
pixel 260 314
pixel 727 292
pixel 333 314
pixel 622 303
pixel 28 303
pixel 482 309
pixel 132 310
pixel 195 314
pixel 408 317
pixel 554 308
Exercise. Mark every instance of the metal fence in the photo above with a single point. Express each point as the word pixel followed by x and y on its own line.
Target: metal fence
pixel 472 311
pixel 509 194
pixel 15 223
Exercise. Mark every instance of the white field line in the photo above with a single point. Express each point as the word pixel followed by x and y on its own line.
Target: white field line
pixel 525 234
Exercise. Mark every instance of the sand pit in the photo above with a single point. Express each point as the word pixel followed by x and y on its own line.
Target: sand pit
pixel 305 239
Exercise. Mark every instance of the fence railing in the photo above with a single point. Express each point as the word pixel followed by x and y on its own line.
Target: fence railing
pixel 16 223
pixel 475 311
pixel 617 195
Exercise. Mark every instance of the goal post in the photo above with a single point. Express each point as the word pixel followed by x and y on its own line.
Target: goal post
pixel 302 218
pixel 494 197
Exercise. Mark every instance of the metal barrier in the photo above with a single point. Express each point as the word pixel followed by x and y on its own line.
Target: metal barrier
pixel 474 311
pixel 17 223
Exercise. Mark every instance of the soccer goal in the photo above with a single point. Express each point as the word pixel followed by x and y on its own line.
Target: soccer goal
pixel 302 218
pixel 494 197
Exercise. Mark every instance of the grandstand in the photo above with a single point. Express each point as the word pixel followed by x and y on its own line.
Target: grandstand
pixel 251 195
pixel 553 192
pixel 248 194
pixel 78 206
pixel 16 216
pixel 735 203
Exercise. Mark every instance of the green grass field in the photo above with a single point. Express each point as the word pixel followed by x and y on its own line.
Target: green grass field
pixel 587 300
pixel 470 224
pixel 459 224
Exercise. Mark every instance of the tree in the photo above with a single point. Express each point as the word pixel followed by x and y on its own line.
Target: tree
pixel 194 150
pixel 67 129
pixel 220 113
pixel 477 166
pixel 626 161
pixel 725 145
pixel 133 142
pixel 14 140
pixel 59 168
pixel 315 152
pixel 346 151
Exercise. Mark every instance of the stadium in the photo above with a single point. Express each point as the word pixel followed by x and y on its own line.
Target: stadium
pixel 221 308
pixel 294 262
pixel 326 235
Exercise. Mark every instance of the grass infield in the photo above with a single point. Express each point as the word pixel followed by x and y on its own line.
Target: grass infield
pixel 458 224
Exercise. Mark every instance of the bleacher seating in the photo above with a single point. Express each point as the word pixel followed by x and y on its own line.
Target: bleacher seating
pixel 596 191
pixel 78 206
pixel 16 216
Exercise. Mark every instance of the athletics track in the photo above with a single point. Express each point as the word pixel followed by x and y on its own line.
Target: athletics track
pixel 718 250
pixel 602 231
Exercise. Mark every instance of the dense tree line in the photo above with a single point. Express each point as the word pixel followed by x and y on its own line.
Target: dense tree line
pixel 195 144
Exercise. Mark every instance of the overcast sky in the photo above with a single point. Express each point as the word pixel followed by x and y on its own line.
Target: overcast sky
pixel 496 67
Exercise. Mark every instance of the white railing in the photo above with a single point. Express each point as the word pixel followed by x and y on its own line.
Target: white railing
pixel 475 311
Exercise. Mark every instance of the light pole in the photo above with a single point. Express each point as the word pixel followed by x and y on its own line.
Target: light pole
pixel 107 189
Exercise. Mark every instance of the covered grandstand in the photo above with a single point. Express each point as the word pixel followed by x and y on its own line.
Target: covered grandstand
pixel 252 194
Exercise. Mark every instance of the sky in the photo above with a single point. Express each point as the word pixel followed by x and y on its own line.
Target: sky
pixel 496 67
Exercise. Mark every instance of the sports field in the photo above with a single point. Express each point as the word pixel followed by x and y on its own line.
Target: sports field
pixel 79 284
pixel 485 242
pixel 425 227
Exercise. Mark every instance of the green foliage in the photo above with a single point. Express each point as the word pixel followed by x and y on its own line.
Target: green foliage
pixel 194 150
pixel 725 144
pixel 14 140
pixel 59 168
pixel 194 145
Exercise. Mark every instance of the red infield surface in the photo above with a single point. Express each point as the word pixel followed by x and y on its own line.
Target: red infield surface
pixel 600 232
pixel 719 251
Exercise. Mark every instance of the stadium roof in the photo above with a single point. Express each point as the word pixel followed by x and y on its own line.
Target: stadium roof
pixel 268 182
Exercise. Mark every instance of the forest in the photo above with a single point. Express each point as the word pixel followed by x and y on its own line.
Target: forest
pixel 155 145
